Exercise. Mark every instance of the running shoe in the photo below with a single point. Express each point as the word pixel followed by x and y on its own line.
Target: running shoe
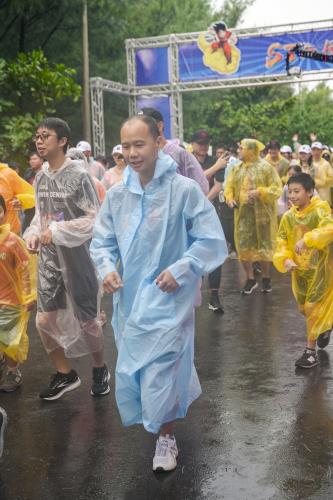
pixel 3 425
pixel 324 339
pixel 309 359
pixel 250 285
pixel 214 303
pixel 11 380
pixel 101 377
pixel 166 454
pixel 266 285
pixel 60 384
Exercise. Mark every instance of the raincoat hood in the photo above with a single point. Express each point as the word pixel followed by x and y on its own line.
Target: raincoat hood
pixel 165 165
pixel 251 150
pixel 315 203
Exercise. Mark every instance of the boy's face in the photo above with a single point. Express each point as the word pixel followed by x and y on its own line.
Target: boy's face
pixel 2 215
pixel 274 152
pixel 316 153
pixel 298 195
pixel 47 143
pixel 140 148
pixel 35 162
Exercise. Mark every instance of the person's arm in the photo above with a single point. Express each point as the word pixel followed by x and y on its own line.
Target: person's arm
pixel 218 165
pixel 273 190
pixel 104 248
pixel 195 171
pixel 283 251
pixel 208 249
pixel 214 192
pixel 322 236
pixel 77 231
pixel 24 273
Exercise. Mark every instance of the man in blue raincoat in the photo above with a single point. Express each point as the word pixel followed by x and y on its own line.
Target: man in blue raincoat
pixel 155 237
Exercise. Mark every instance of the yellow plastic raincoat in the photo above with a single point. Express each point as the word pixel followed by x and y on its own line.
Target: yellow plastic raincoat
pixel 281 165
pixel 322 172
pixel 312 281
pixel 17 290
pixel 255 221
pixel 13 186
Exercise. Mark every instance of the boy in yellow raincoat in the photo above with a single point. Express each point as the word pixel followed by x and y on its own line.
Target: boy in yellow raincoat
pixel 252 189
pixel 17 296
pixel 304 246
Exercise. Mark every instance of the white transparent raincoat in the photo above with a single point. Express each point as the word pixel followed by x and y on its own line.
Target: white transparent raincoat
pixel 68 290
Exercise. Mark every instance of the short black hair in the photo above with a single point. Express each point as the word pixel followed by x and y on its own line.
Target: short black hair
pixel 3 203
pixel 274 145
pixel 60 127
pixel 149 121
pixel 219 26
pixel 304 179
pixel 34 153
pixel 154 113
pixel 296 168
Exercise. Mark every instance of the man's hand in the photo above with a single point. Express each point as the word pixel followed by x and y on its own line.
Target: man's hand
pixel 290 265
pixel 33 244
pixel 300 246
pixel 112 282
pixel 253 194
pixel 166 282
pixel 46 237
pixel 232 203
pixel 222 162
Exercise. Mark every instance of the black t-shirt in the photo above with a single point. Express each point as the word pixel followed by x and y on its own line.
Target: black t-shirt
pixel 209 162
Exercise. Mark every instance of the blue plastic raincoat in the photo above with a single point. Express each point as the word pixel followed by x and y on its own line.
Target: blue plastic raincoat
pixel 141 232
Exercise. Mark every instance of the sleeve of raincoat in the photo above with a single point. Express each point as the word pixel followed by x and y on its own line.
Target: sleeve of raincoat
pixel 75 232
pixel 24 271
pixel 273 190
pixel 208 248
pixel 35 226
pixel 104 248
pixel 229 188
pixel 322 236
pixel 282 252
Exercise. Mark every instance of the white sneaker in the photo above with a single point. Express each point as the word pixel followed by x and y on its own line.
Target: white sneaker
pixel 166 454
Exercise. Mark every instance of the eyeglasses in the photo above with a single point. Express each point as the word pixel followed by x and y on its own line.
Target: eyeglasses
pixel 43 137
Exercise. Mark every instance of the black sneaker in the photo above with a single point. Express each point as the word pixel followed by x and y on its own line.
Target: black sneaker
pixel 3 424
pixel 309 359
pixel 60 384
pixel 101 377
pixel 266 285
pixel 214 304
pixel 324 339
pixel 250 285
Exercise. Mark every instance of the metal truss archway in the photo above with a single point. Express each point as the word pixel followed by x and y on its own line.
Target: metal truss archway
pixel 175 88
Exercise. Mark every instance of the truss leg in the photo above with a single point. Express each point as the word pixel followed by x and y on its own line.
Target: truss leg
pixel 97 111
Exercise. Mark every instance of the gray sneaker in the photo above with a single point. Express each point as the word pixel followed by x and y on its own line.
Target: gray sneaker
pixel 11 380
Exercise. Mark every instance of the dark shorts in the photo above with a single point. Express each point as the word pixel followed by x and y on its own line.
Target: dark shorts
pixel 69 275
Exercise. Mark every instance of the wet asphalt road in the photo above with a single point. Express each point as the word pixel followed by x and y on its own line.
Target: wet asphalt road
pixel 259 431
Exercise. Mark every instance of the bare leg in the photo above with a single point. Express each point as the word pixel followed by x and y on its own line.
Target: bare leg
pixel 248 269
pixel 311 344
pixel 266 269
pixel 98 358
pixel 60 361
pixel 11 364
pixel 167 429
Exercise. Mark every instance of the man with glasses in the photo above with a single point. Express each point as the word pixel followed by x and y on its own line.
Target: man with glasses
pixel 67 312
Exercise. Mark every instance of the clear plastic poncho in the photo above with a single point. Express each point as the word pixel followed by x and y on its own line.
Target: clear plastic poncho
pixel 312 282
pixel 255 221
pixel 68 289
pixel 13 186
pixel 141 232
pixel 17 291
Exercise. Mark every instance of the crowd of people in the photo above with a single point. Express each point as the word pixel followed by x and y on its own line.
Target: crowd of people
pixel 147 230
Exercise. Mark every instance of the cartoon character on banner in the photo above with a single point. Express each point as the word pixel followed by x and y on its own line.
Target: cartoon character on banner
pixel 219 47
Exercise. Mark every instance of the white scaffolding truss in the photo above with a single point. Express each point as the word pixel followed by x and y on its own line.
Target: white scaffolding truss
pixel 176 88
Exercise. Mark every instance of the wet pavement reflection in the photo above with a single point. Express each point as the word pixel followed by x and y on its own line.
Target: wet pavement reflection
pixel 261 430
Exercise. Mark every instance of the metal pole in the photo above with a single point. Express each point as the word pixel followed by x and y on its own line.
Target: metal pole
pixel 86 102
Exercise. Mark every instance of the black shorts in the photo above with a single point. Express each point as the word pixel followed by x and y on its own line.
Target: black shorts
pixel 67 274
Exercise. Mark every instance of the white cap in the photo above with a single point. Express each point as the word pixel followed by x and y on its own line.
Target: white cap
pixel 83 146
pixel 305 148
pixel 317 145
pixel 117 150
pixel 286 149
